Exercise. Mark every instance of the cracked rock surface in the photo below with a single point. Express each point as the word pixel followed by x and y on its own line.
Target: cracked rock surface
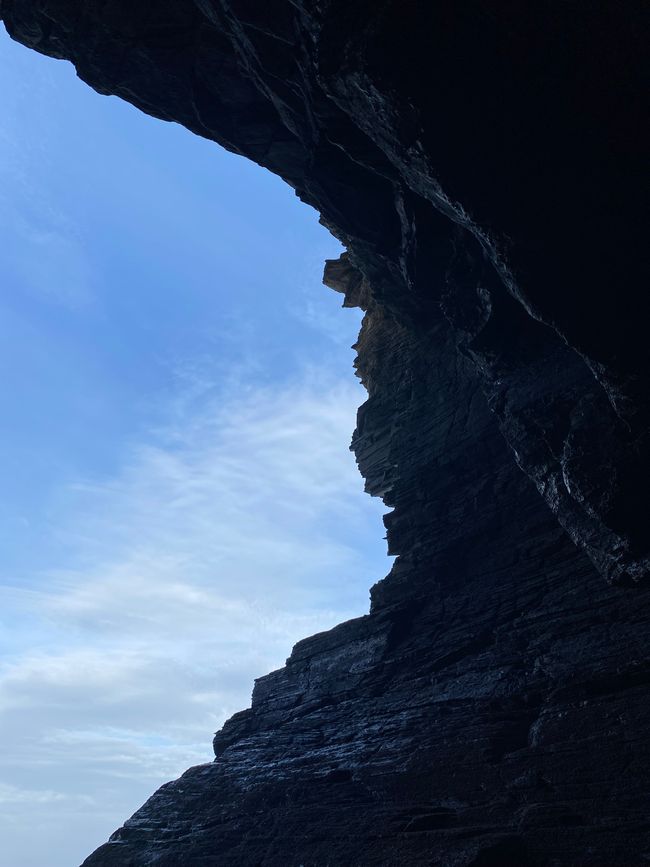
pixel 483 163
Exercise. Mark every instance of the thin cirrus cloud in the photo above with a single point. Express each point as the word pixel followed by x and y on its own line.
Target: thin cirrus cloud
pixel 178 503
pixel 44 250
pixel 195 569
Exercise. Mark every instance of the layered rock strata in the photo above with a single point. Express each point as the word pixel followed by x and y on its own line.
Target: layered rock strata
pixel 483 165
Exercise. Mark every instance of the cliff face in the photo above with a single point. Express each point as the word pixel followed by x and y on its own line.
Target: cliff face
pixel 483 164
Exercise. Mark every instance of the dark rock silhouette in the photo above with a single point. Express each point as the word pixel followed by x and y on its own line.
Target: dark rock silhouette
pixel 483 163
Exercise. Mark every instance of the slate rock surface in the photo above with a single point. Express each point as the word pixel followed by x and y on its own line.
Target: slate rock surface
pixel 484 165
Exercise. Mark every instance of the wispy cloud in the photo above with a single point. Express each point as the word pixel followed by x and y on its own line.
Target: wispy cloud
pixel 203 547
pixel 235 528
pixel 43 249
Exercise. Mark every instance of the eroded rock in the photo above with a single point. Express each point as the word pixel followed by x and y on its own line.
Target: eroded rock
pixel 482 163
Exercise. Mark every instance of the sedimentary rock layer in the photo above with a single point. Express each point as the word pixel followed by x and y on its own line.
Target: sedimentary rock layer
pixel 483 164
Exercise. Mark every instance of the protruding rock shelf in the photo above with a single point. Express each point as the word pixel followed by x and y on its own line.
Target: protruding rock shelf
pixel 483 164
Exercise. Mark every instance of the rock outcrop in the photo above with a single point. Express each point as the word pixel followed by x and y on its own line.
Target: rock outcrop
pixel 483 164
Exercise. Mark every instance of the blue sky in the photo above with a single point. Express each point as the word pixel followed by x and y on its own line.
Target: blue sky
pixel 178 505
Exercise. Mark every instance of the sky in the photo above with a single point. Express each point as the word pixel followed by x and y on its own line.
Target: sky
pixel 178 505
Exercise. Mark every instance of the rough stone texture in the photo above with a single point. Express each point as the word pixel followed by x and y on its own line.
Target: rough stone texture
pixel 483 163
